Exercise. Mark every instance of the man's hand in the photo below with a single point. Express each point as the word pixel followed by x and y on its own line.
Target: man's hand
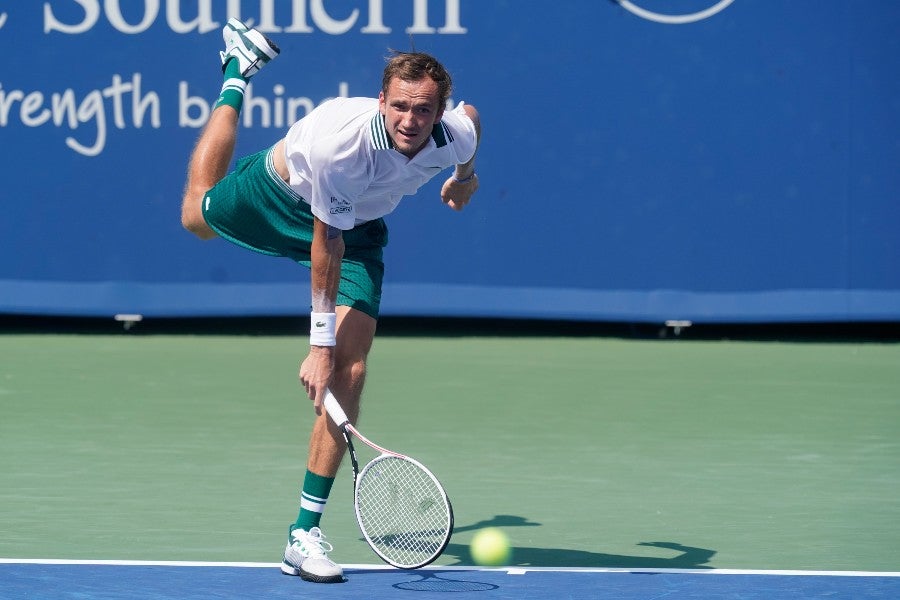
pixel 316 372
pixel 456 194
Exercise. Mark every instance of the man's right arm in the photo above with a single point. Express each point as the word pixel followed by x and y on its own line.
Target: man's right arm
pixel 327 250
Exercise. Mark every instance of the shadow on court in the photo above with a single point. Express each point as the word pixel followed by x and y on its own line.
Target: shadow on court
pixel 689 557
pixel 442 581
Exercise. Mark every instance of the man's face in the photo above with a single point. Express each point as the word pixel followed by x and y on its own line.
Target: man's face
pixel 410 109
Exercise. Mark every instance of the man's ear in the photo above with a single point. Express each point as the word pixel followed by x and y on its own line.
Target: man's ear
pixel 381 102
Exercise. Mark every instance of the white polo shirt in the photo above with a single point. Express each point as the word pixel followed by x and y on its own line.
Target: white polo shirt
pixel 343 163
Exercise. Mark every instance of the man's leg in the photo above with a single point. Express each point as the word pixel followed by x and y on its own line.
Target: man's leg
pixel 209 164
pixel 355 332
pixel 246 52
pixel 306 553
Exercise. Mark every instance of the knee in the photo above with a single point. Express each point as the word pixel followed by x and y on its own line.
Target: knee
pixel 350 375
pixel 353 372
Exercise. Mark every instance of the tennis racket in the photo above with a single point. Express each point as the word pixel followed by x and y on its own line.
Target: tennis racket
pixel 402 509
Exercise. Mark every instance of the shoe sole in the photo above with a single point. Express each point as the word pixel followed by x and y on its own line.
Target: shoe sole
pixel 289 569
pixel 255 42
pixel 266 48
pixel 321 579
pixel 255 48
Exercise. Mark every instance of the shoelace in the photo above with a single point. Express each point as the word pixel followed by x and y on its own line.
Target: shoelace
pixel 313 542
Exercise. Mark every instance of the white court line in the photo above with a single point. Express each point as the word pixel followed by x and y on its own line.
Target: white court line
pixel 510 570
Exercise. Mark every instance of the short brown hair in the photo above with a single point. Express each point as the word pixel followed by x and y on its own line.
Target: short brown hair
pixel 414 66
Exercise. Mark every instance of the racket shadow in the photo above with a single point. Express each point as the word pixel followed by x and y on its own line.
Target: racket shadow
pixel 438 581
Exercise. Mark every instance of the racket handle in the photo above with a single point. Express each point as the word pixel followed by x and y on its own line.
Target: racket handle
pixel 334 409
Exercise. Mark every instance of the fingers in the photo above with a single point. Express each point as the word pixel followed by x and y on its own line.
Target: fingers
pixel 315 374
pixel 310 389
pixel 457 206
pixel 316 394
pixel 456 194
pixel 318 398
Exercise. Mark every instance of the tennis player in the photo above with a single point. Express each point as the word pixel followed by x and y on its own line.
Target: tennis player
pixel 318 197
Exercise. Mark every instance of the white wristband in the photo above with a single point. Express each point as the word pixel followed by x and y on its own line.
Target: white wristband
pixel 321 329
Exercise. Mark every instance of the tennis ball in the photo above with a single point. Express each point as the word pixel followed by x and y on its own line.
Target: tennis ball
pixel 490 548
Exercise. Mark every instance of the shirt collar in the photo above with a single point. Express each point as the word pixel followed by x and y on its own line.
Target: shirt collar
pixel 382 141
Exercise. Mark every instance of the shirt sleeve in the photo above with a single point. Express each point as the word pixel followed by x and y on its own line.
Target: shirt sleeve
pixel 465 138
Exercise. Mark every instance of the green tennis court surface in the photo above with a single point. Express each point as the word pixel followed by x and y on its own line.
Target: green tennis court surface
pixel 590 452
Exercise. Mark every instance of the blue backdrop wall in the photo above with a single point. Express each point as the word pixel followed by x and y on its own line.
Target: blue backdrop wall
pixel 643 160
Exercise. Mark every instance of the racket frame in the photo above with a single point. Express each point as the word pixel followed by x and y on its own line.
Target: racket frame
pixel 337 414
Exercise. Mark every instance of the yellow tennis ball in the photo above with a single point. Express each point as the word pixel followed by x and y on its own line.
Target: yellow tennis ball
pixel 490 548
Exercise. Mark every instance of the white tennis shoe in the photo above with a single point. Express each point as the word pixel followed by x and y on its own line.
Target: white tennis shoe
pixel 306 555
pixel 252 49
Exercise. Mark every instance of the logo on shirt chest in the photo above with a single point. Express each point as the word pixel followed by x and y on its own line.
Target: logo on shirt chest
pixel 339 206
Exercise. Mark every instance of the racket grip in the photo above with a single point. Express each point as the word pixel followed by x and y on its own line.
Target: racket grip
pixel 334 409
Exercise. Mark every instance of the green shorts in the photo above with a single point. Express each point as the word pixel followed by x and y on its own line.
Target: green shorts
pixel 254 208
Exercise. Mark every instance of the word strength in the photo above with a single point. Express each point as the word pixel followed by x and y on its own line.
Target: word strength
pixel 87 117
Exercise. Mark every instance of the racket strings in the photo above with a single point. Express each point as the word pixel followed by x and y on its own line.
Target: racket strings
pixel 402 511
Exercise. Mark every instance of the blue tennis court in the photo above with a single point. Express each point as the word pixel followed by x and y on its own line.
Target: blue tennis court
pixel 107 580
pixel 185 581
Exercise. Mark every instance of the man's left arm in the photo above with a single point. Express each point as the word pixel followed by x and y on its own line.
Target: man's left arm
pixel 458 189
